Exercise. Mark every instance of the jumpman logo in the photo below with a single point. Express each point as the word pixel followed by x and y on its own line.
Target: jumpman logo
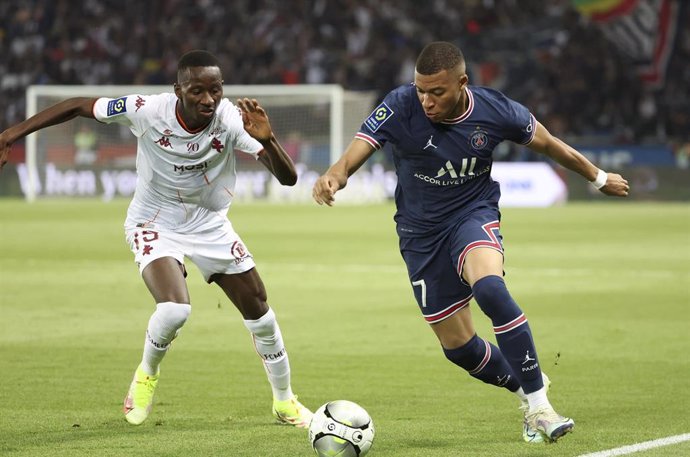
pixel 528 359
pixel 502 380
pixel 429 143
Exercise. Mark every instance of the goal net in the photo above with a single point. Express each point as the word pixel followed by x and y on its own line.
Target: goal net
pixel 82 157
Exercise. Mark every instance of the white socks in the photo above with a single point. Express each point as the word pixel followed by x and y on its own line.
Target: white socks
pixel 268 342
pixel 535 400
pixel 169 318
pixel 163 327
pixel 538 400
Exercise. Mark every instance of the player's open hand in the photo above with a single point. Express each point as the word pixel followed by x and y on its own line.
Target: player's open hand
pixel 324 190
pixel 616 186
pixel 255 119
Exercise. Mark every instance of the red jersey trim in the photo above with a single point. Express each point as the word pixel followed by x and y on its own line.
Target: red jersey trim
pixel 182 123
pixel 446 313
pixel 372 142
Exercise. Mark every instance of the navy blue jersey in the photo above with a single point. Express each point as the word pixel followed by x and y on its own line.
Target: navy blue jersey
pixel 444 168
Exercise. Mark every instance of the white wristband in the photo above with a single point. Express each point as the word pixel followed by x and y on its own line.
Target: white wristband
pixel 600 182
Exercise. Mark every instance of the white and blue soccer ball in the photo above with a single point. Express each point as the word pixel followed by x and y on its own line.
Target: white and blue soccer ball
pixel 341 428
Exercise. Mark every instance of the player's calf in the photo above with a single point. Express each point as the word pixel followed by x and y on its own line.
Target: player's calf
pixel 512 331
pixel 484 361
pixel 163 327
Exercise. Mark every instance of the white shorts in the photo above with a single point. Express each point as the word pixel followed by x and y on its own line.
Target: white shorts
pixel 215 251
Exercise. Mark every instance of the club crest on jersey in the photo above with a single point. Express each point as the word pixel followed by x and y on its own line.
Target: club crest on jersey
pixel 239 252
pixel 117 106
pixel 479 139
pixel 380 115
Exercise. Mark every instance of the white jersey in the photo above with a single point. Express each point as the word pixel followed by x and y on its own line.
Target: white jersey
pixel 185 179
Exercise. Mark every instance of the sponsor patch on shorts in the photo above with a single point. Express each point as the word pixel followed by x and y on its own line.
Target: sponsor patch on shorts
pixel 117 106
pixel 380 115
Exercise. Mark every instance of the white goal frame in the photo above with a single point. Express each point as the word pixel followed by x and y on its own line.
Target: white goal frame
pixel 334 92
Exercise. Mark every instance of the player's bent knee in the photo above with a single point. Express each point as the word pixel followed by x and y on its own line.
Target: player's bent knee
pixel 265 326
pixel 454 340
pixel 456 330
pixel 175 314
pixel 465 355
pixel 165 323
pixel 492 296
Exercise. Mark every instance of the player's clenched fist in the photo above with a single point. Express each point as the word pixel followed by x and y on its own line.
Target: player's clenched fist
pixel 616 186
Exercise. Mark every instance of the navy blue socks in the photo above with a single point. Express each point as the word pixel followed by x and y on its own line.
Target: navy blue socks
pixel 512 331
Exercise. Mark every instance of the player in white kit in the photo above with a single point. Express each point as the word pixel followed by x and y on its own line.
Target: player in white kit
pixel 186 178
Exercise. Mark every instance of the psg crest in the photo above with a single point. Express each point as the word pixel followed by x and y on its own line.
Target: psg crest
pixel 479 139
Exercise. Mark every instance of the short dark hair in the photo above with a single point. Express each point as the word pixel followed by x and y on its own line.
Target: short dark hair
pixel 439 56
pixel 197 58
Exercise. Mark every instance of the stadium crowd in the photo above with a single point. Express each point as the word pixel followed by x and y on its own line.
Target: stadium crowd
pixel 542 53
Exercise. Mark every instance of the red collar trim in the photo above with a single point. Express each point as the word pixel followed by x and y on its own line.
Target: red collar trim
pixel 182 123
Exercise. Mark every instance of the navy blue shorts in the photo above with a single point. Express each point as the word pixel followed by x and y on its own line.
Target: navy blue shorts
pixel 434 263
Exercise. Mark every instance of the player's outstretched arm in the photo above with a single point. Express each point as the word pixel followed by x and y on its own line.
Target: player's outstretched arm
pixel 337 175
pixel 547 144
pixel 56 114
pixel 273 156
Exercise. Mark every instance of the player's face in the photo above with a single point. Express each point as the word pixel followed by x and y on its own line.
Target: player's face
pixel 442 94
pixel 199 90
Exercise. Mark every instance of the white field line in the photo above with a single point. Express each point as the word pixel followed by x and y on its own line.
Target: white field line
pixel 625 450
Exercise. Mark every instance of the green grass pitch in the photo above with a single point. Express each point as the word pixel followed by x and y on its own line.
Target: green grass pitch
pixel 606 288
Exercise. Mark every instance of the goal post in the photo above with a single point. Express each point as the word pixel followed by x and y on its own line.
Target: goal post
pixel 313 122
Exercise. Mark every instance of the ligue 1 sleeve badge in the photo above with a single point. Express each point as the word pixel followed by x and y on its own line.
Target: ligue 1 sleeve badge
pixel 117 106
pixel 479 139
pixel 380 115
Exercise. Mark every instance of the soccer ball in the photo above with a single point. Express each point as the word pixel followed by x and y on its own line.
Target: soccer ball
pixel 341 428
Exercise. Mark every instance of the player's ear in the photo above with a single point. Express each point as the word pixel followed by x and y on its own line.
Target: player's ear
pixel 463 80
pixel 178 90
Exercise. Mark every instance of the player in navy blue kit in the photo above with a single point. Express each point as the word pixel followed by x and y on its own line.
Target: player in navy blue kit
pixel 443 132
